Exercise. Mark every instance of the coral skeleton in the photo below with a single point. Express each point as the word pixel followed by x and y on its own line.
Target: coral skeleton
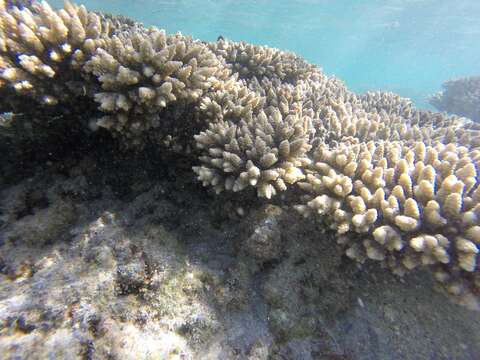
pixel 397 185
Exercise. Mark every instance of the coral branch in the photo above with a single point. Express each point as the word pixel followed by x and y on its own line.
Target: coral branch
pixel 397 185
pixel 460 96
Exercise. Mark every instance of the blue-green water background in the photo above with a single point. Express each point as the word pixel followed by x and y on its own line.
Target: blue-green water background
pixel 406 46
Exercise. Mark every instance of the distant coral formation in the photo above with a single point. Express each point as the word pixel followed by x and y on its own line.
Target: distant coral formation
pixel 397 185
pixel 460 97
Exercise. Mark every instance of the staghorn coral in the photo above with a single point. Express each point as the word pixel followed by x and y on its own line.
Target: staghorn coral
pixel 391 103
pixel 405 204
pixel 396 184
pixel 261 147
pixel 235 101
pixel 267 152
pixel 42 52
pixel 263 142
pixel 459 96
pixel 250 61
pixel 144 71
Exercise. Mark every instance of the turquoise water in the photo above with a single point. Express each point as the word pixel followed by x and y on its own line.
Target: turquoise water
pixel 406 46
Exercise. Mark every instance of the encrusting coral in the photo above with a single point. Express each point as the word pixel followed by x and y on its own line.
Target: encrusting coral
pixel 459 96
pixel 396 184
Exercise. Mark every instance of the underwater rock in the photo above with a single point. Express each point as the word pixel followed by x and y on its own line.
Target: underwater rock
pixel 265 243
pixel 131 276
pixel 44 226
pixel 131 286
pixel 307 274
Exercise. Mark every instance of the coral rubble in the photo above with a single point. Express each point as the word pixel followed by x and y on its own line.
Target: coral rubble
pixel 395 184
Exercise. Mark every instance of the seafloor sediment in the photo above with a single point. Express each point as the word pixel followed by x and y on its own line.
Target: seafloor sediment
pixel 104 259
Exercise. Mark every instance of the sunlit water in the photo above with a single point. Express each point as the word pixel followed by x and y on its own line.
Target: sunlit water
pixel 406 46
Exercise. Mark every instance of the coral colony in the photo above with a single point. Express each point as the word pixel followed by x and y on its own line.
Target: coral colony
pixel 460 96
pixel 397 185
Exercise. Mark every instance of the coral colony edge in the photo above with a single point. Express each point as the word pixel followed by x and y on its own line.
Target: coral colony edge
pixel 459 96
pixel 397 185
